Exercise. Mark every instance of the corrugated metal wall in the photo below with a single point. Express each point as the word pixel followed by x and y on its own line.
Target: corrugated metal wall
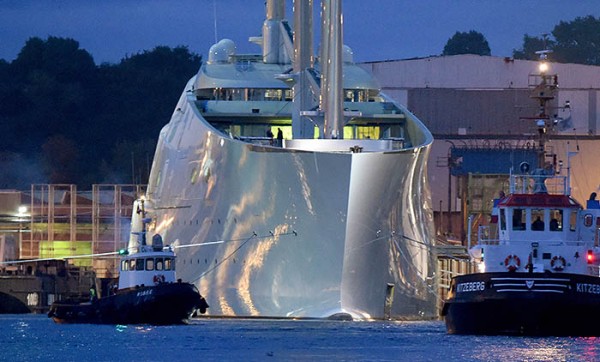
pixel 470 112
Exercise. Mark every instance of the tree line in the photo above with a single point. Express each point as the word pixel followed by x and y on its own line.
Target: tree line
pixel 576 41
pixel 63 119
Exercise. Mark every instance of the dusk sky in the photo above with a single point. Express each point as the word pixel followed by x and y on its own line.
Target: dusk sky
pixel 374 29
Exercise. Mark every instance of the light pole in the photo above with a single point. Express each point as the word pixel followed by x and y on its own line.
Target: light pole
pixel 21 213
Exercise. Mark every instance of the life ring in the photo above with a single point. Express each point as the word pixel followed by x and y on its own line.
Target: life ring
pixel 558 263
pixel 512 262
pixel 159 278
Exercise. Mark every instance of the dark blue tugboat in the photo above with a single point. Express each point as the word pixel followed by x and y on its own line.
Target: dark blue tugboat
pixel 147 292
pixel 537 260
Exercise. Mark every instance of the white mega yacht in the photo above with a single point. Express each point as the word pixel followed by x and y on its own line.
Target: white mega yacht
pixel 290 186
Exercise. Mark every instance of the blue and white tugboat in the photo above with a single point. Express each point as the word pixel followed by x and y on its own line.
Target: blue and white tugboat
pixel 147 292
pixel 537 260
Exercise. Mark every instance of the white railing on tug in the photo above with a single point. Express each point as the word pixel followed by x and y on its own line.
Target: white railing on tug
pixel 530 184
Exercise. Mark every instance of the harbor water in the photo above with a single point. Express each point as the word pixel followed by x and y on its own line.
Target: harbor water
pixel 37 338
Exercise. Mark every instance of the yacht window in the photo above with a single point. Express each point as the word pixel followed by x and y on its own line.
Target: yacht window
pixel 367 132
pixel 355 95
pixel 537 220
pixel 351 95
pixel 204 94
pixel 518 219
pixel 273 94
pixel 159 263
pixel 256 94
pixel 556 220
pixel 139 264
pixel 167 264
pixel 237 94
pixel 573 220
pixel 150 264
pixel 502 219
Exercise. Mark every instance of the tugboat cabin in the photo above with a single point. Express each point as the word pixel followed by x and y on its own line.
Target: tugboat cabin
pixel 553 216
pixel 539 232
pixel 150 266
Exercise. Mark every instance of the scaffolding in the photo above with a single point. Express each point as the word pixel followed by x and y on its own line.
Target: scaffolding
pixel 65 222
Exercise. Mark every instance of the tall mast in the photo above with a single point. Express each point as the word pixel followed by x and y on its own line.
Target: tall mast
pixel 331 68
pixel 303 60
pixel 273 49
pixel 329 114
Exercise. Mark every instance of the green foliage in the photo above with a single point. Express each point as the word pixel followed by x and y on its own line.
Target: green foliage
pixel 472 42
pixel 577 41
pixel 530 46
pixel 82 123
pixel 59 58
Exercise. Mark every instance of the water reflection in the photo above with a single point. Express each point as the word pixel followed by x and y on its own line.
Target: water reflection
pixel 508 348
pixel 37 338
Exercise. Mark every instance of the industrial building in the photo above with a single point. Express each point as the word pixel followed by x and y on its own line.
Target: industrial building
pixel 56 241
pixel 482 115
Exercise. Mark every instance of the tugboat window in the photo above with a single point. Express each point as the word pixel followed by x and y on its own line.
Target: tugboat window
pixel 502 219
pixel 132 264
pixel 587 220
pixel 159 263
pixel 537 219
pixel 519 219
pixel 124 265
pixel 150 264
pixel 556 220
pixel 167 264
pixel 139 264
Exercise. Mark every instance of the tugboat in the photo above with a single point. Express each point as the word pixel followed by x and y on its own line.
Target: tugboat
pixel 538 261
pixel 147 292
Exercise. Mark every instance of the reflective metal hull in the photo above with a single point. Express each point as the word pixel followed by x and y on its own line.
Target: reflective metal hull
pixel 294 232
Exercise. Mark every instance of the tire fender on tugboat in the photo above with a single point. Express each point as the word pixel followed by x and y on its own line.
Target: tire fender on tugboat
pixel 512 262
pixel 558 263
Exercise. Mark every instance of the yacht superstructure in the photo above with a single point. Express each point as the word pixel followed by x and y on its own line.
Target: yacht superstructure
pixel 290 186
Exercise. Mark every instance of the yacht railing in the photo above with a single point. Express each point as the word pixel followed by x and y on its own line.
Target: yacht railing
pixel 263 141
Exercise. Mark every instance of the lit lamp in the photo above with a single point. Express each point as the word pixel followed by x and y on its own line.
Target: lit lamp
pixel 543 67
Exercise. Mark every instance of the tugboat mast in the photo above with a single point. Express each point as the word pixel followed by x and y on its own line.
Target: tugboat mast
pixel 544 91
pixel 544 87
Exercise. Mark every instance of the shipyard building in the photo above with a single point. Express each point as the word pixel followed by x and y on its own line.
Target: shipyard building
pixel 482 114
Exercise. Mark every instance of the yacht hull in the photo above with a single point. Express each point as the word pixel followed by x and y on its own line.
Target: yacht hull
pixel 270 231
